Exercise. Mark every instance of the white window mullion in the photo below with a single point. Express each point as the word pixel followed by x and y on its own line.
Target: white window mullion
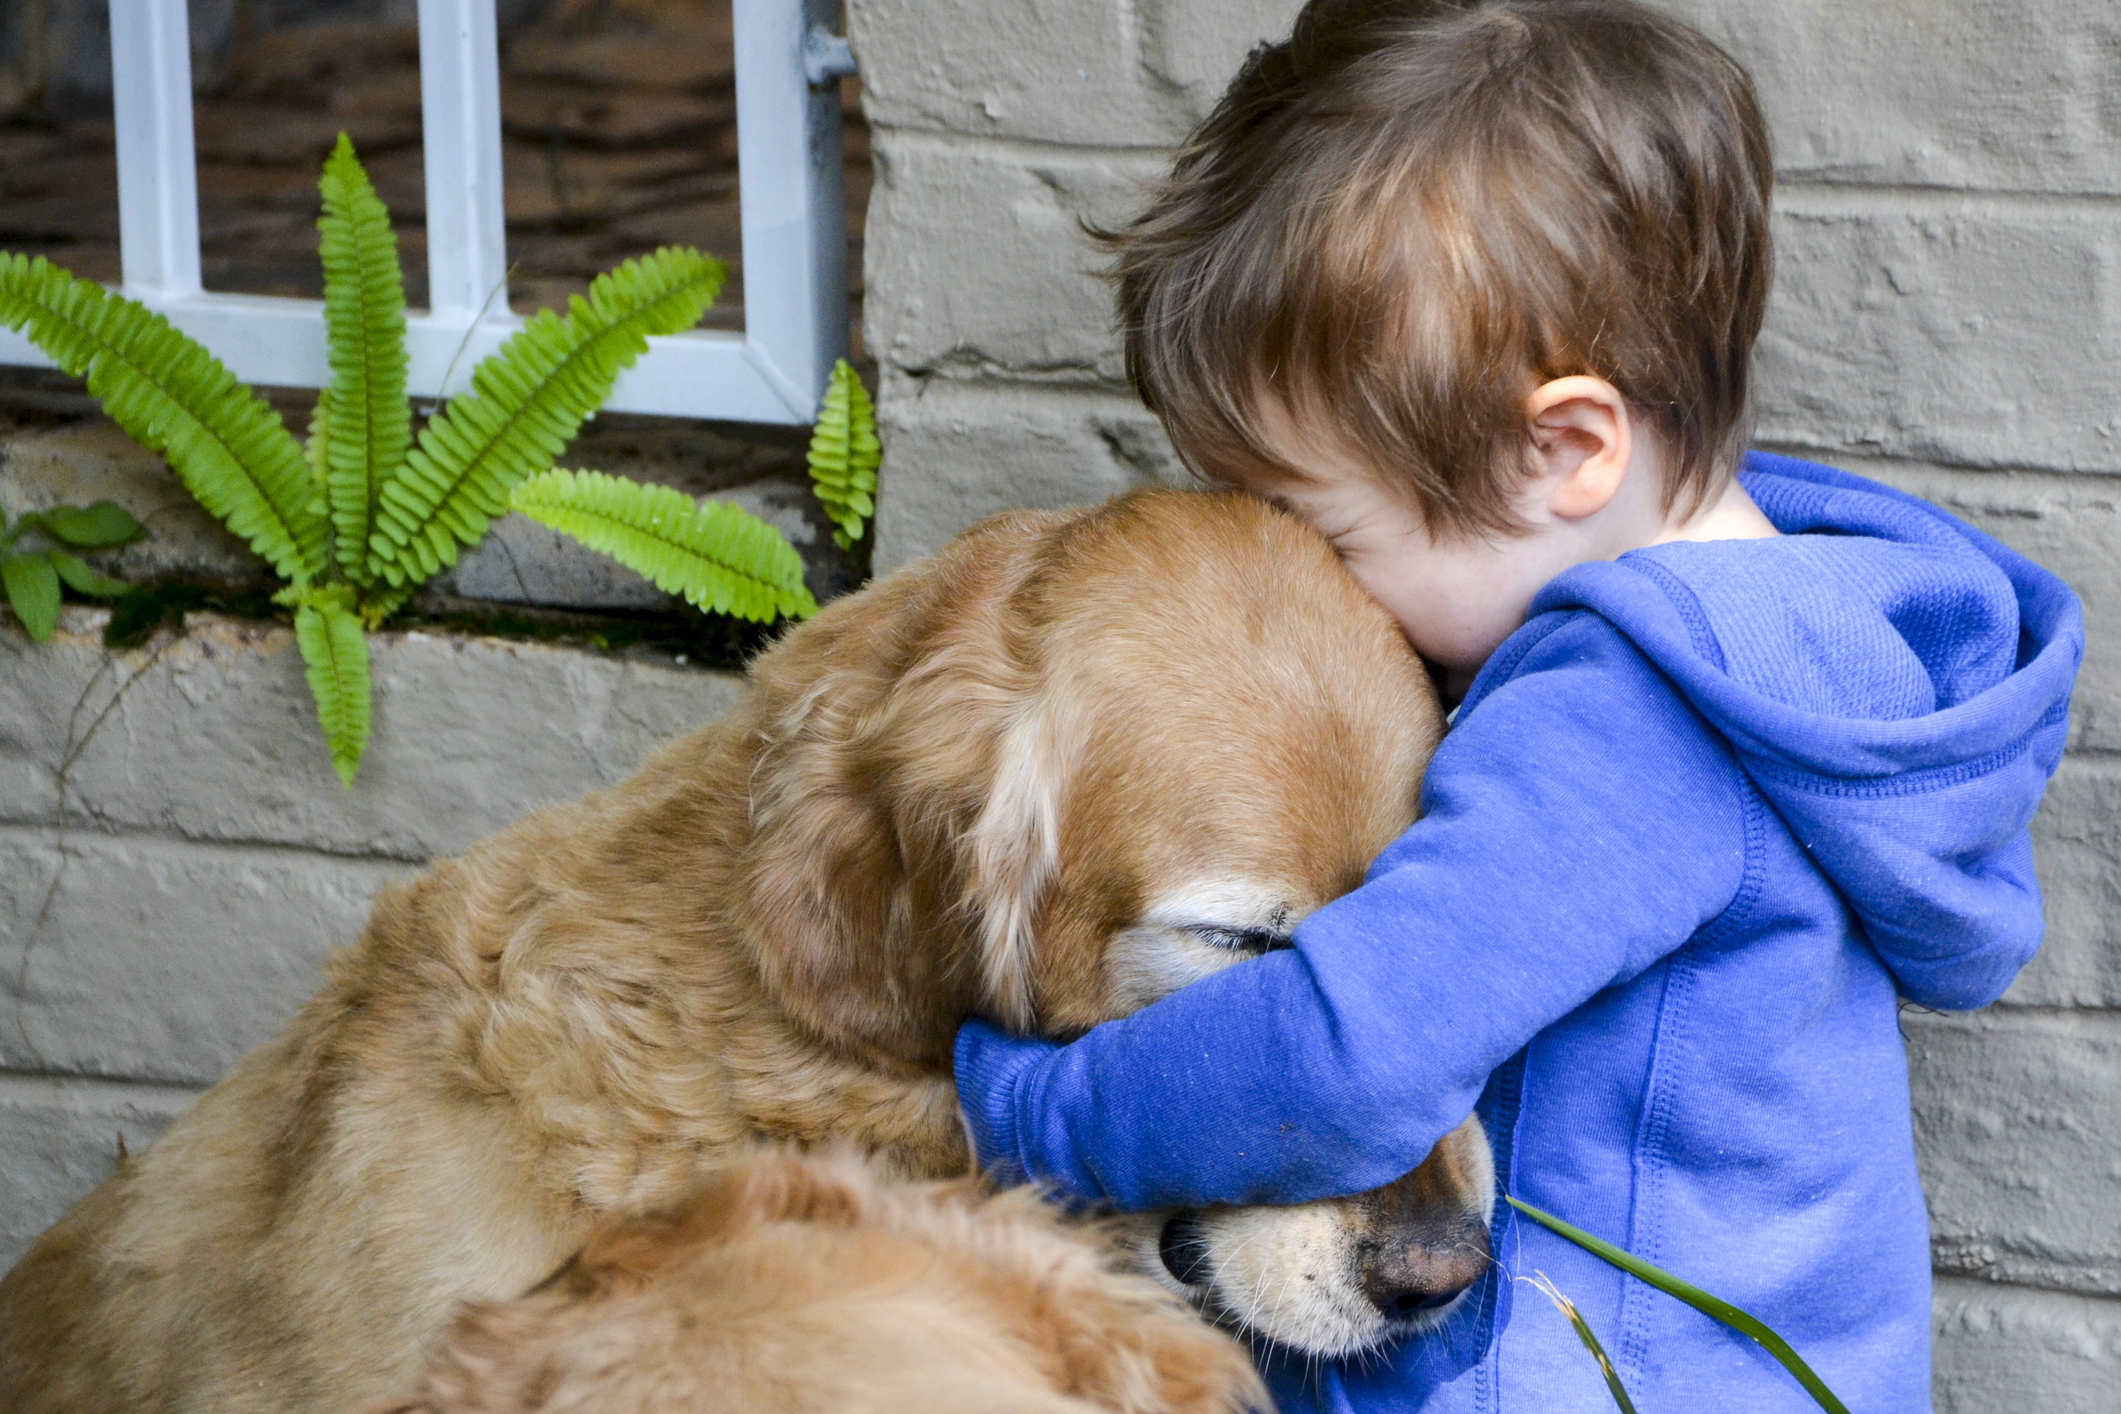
pixel 794 209
pixel 460 116
pixel 158 186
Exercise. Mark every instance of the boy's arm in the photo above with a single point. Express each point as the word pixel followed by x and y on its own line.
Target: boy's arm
pixel 1581 822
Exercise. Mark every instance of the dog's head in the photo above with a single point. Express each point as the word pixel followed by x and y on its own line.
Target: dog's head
pixel 1075 763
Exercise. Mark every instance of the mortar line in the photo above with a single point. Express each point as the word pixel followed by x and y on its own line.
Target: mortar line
pixel 2014 1011
pixel 1799 196
pixel 950 142
pixel 16 1085
pixel 81 830
pixel 1791 447
pixel 1942 1275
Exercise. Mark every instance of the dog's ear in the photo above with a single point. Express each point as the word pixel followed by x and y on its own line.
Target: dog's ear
pixel 1015 856
pixel 901 806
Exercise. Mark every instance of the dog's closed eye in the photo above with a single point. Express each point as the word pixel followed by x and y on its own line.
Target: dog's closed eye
pixel 1250 940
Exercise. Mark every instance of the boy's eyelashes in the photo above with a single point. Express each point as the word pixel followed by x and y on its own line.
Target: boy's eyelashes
pixel 1234 939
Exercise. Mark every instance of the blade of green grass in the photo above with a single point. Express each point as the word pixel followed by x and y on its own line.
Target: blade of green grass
pixel 1545 1287
pixel 1742 1322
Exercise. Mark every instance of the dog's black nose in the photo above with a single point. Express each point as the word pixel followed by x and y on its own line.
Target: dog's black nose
pixel 1184 1248
pixel 1409 1304
pixel 1409 1278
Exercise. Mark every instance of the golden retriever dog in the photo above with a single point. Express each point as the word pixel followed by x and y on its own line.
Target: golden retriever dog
pixel 1071 763
pixel 804 1285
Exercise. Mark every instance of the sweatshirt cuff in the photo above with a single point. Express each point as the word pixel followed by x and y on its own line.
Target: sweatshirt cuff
pixel 991 1066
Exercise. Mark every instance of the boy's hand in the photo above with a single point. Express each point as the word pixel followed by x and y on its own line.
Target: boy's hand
pixel 990 1066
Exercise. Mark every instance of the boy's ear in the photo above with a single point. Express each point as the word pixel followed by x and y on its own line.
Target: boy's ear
pixel 1581 443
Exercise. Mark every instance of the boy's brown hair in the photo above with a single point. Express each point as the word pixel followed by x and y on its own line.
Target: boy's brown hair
pixel 1400 220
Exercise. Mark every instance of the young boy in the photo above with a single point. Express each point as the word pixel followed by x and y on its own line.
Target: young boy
pixel 1742 758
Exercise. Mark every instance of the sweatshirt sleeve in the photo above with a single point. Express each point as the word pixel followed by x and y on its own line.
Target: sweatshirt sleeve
pixel 1580 821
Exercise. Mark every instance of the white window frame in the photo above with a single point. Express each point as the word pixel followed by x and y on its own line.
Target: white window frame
pixel 793 218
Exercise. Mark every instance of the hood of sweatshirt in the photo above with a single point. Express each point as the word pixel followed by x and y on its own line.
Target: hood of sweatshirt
pixel 1895 683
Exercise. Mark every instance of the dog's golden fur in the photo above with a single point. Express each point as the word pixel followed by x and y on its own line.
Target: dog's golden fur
pixel 772 930
pixel 804 1285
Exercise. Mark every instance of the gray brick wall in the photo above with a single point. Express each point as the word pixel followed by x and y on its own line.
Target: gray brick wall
pixel 1947 317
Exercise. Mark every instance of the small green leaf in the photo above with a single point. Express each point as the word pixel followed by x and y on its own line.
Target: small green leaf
pixel 92 527
pixel 33 591
pixel 76 572
pixel 335 652
pixel 1741 1321
pixel 844 455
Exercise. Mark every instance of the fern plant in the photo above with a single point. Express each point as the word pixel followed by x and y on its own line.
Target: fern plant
pixel 356 523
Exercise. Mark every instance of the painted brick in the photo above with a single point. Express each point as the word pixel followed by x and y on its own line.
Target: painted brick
pixel 2020 1155
pixel 979 450
pixel 1965 330
pixel 2001 1348
pixel 2079 963
pixel 215 737
pixel 155 959
pixel 59 1138
pixel 1993 94
pixel 987 267
pixel 1108 73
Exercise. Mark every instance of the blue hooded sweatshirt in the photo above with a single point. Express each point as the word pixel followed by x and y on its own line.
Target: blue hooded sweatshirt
pixel 1698 826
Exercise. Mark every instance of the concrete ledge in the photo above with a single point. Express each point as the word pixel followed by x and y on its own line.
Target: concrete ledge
pixel 154 959
pixel 215 736
pixel 59 1138
pixel 2014 1126
pixel 2003 1348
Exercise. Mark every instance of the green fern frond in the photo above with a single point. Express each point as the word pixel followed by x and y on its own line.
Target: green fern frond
pixel 367 420
pixel 336 654
pixel 225 444
pixel 526 402
pixel 314 447
pixel 844 455
pixel 718 557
